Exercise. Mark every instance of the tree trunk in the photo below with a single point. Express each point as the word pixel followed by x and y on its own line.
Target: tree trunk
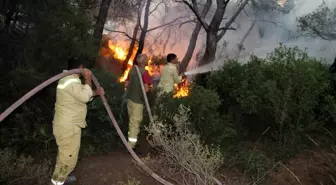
pixel 131 47
pixel 99 27
pixel 212 35
pixel 211 38
pixel 193 39
pixel 143 30
pixel 240 45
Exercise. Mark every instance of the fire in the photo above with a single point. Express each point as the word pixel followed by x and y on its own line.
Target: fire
pixel 181 91
pixel 121 54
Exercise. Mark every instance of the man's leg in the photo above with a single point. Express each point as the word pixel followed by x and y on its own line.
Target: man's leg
pixel 135 113
pixel 68 142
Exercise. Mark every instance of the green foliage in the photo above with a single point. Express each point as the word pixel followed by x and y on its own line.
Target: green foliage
pixel 287 94
pixel 205 118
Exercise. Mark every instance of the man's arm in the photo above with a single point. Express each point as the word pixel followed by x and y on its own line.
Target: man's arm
pixel 80 92
pixel 177 78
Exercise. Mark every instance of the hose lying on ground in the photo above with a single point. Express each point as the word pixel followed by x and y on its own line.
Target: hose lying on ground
pixel 109 112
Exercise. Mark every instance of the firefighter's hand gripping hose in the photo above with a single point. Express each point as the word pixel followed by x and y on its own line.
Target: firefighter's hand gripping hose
pixel 109 112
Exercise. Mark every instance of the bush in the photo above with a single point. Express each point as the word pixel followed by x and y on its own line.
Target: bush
pixel 18 170
pixel 288 95
pixel 183 156
pixel 205 118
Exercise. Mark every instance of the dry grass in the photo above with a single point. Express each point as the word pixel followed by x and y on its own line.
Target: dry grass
pixel 184 158
pixel 18 170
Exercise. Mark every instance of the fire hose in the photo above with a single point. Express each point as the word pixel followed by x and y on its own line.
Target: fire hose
pixel 109 112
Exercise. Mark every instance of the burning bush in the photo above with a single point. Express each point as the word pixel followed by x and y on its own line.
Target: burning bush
pixel 184 159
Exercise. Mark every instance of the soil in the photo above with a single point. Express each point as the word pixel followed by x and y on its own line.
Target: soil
pixel 115 168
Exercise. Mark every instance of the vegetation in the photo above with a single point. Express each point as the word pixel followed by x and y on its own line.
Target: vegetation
pixel 248 118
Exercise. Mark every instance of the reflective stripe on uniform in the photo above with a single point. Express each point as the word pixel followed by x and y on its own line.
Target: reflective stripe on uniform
pixel 68 82
pixel 56 182
pixel 134 140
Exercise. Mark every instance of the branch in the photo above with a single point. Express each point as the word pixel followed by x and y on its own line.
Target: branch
pixel 233 18
pixel 224 28
pixel 156 7
pixel 166 24
pixel 122 32
pixel 186 23
pixel 200 19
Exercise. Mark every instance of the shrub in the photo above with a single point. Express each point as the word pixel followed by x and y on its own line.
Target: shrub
pixel 288 94
pixel 184 155
pixel 17 170
pixel 205 118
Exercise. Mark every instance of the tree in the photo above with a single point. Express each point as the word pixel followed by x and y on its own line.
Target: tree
pixel 144 29
pixel 193 39
pixel 214 31
pixel 101 19
pixel 319 23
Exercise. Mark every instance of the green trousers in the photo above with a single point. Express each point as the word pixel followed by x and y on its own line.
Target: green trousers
pixel 135 114
pixel 68 138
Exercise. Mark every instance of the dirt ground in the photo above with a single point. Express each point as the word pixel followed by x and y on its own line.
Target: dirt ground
pixel 116 168
pixel 113 169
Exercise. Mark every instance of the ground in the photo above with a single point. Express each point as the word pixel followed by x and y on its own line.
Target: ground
pixel 115 168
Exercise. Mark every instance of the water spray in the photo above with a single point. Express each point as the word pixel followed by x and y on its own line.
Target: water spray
pixel 213 66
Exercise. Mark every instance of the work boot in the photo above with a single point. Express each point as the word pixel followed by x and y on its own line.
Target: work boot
pixel 70 179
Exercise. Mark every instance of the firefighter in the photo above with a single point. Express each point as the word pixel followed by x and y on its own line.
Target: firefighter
pixel 69 119
pixel 135 99
pixel 169 75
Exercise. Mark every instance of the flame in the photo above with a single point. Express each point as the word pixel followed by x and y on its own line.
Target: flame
pixel 182 91
pixel 121 54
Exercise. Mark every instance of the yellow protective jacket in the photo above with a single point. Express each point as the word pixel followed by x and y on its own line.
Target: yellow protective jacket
pixel 169 77
pixel 71 99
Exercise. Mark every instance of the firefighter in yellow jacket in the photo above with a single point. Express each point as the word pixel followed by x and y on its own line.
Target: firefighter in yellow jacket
pixel 69 119
pixel 169 75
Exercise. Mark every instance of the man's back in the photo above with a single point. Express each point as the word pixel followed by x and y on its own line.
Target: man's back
pixel 169 77
pixel 71 99
pixel 134 91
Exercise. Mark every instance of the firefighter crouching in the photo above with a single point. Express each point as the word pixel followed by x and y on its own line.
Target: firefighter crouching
pixel 69 119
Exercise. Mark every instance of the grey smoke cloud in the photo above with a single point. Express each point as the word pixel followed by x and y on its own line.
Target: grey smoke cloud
pixel 275 27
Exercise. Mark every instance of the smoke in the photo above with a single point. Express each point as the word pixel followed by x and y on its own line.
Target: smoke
pixel 270 29
pixel 276 28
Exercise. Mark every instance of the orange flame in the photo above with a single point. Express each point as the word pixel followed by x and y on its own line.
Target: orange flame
pixel 121 54
pixel 182 91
